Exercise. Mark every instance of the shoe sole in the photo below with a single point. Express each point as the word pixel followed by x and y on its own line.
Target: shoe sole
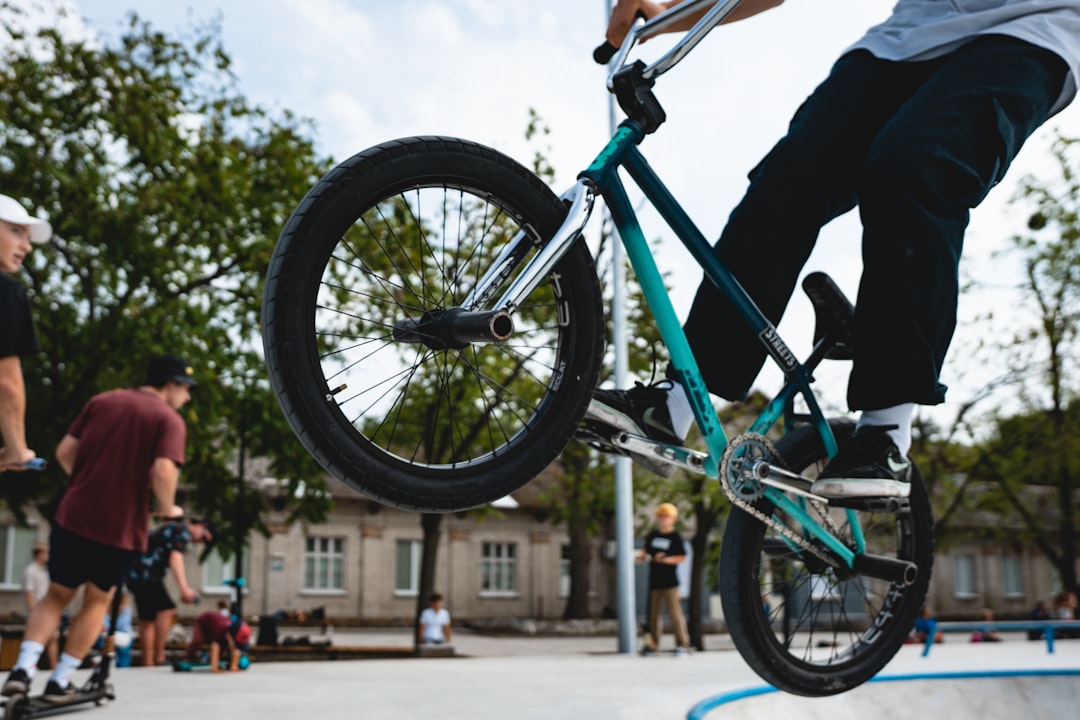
pixel 10 691
pixel 600 413
pixel 60 699
pixel 861 488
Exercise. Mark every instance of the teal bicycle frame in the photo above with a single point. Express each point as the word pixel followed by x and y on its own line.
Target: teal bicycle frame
pixel 622 151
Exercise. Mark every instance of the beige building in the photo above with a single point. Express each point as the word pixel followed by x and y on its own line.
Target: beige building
pixel 363 565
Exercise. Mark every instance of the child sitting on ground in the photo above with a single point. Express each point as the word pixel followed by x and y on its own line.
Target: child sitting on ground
pixel 219 630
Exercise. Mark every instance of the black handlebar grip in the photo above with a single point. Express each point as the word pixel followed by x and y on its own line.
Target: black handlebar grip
pixel 603 53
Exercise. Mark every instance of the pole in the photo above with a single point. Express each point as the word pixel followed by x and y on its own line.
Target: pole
pixel 241 524
pixel 624 483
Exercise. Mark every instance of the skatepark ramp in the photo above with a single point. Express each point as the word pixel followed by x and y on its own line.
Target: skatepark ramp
pixel 1048 694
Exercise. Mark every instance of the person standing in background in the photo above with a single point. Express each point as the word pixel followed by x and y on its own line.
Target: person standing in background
pixel 664 550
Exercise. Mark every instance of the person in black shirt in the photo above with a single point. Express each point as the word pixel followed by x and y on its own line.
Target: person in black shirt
pixel 664 550
pixel 146 579
pixel 18 230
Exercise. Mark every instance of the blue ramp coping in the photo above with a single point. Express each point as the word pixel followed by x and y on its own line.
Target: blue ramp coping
pixel 701 709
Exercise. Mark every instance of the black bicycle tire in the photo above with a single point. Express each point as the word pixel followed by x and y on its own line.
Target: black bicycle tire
pixel 295 382
pixel 742 600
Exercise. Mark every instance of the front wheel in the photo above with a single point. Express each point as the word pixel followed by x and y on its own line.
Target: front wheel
pixel 801 625
pixel 398 236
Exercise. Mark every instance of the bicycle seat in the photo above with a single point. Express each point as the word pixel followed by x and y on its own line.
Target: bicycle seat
pixel 835 316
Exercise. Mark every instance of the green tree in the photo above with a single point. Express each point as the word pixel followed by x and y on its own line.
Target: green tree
pixel 166 189
pixel 1040 447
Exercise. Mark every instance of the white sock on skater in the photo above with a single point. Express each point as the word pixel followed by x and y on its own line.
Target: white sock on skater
pixel 898 415
pixel 29 654
pixel 65 669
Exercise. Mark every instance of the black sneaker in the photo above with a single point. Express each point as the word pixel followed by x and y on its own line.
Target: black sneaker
pixel 642 410
pixel 57 693
pixel 18 683
pixel 870 466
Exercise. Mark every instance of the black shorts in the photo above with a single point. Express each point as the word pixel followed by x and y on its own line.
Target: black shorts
pixel 75 560
pixel 151 598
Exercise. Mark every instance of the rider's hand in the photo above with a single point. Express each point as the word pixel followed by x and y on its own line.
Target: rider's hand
pixel 625 13
pixel 189 596
pixel 14 459
pixel 174 512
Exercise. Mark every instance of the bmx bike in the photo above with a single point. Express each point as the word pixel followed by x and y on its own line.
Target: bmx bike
pixel 433 330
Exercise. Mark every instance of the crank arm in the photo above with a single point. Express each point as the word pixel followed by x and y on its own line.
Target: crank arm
pixel 785 480
pixel 681 457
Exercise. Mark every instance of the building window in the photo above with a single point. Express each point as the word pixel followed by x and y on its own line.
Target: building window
pixel 407 567
pixel 324 564
pixel 964 575
pixel 1012 572
pixel 498 569
pixel 218 572
pixel 16 552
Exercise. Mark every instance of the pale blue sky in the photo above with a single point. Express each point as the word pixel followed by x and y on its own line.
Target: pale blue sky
pixel 371 70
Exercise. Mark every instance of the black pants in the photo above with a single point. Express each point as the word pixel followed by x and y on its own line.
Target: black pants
pixel 915 145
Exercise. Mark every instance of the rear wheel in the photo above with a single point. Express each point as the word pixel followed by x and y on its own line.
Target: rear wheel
pixel 803 626
pixel 403 232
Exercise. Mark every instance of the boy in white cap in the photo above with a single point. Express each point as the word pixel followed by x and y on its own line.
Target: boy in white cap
pixel 19 231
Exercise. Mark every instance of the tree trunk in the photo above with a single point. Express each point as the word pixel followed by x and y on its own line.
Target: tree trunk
pixel 1067 529
pixel 576 467
pixel 577 603
pixel 431 524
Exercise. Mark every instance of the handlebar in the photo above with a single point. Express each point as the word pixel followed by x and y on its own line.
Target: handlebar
pixel 720 10
pixel 604 52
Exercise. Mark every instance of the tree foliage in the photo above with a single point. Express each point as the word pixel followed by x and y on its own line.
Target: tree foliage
pixel 1033 457
pixel 166 188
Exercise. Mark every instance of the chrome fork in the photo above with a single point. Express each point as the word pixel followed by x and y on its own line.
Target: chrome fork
pixel 580 199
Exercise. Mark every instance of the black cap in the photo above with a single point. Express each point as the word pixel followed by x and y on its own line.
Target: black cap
pixel 169 368
pixel 210 526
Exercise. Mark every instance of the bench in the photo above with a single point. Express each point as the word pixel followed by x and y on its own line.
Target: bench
pixel 1048 628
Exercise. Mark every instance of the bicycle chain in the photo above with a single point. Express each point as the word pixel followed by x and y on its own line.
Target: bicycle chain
pixel 748 507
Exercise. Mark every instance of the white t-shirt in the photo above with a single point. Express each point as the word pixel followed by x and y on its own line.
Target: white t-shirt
pixel 433 623
pixel 926 29
pixel 35 580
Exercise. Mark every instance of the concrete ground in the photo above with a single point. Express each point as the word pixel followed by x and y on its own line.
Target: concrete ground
pixel 527 678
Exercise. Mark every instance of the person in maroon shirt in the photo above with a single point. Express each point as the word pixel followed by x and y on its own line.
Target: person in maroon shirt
pixel 123 445
pixel 217 629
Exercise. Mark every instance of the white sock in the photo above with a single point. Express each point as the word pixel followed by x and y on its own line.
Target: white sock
pixel 29 654
pixel 678 405
pixel 898 415
pixel 65 669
